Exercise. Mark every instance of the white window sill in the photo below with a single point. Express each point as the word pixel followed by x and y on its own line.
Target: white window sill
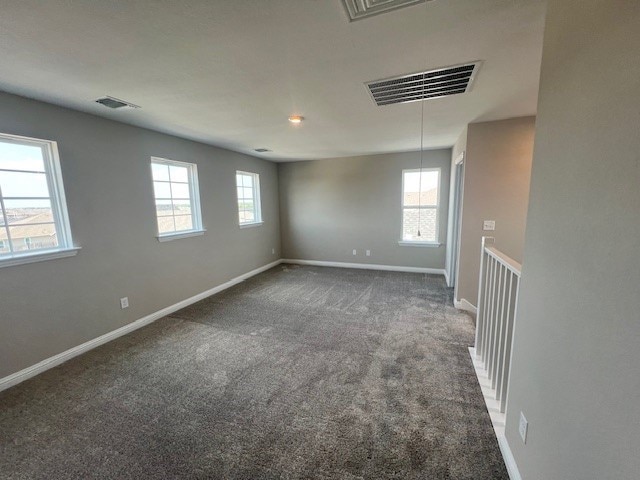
pixel 38 257
pixel 175 236
pixel 405 243
pixel 249 225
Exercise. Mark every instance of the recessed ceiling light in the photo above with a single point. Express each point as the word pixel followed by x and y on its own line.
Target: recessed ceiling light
pixel 296 119
pixel 262 150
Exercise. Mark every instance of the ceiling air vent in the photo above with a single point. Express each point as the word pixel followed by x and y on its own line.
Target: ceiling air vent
pixel 357 9
pixel 112 102
pixel 441 82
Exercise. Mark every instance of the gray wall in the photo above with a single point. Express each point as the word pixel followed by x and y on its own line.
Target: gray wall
pixel 330 207
pixel 575 365
pixel 496 187
pixel 48 307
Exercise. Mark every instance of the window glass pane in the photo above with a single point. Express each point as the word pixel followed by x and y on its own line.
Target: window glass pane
pixel 26 170
pixel 245 205
pixel 21 157
pixel 161 190
pixel 250 216
pixel 425 218
pixel 33 237
pixel 180 190
pixel 16 184
pixel 166 225
pixel 160 171
pixel 174 202
pixel 164 208
pixel 179 174
pixel 238 180
pixel 183 222
pixel 247 181
pixel 4 242
pixel 182 207
pixel 427 183
pixel 248 193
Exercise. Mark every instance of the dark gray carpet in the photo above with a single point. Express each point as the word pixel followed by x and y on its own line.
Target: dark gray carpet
pixel 300 372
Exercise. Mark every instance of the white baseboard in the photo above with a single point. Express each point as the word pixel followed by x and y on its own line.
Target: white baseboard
pixel 365 266
pixel 509 460
pixel 498 419
pixel 56 360
pixel 446 277
pixel 465 305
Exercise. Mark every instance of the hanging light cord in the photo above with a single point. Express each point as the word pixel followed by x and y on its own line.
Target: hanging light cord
pixel 421 160
pixel 422 123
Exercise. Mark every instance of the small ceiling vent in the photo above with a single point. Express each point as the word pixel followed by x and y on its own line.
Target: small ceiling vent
pixel 441 82
pixel 357 9
pixel 114 103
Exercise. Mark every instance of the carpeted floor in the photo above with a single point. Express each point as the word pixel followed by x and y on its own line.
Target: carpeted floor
pixel 299 372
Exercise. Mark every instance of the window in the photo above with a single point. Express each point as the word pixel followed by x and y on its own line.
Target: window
pixel 33 212
pixel 175 186
pixel 248 186
pixel 420 201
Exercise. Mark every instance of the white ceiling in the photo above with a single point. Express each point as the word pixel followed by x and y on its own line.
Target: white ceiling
pixel 230 72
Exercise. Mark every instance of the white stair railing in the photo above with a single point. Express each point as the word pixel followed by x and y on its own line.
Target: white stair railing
pixel 497 306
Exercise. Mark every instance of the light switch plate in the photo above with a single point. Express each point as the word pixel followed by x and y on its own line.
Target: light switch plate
pixel 489 225
pixel 523 427
pixel 124 302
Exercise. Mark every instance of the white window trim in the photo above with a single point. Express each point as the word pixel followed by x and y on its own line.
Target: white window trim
pixel 418 243
pixel 167 237
pixel 256 199
pixel 194 193
pixel 39 256
pixel 409 243
pixel 53 174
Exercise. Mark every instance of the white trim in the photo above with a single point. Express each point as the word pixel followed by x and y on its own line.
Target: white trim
pixel 365 266
pixel 409 243
pixel 509 460
pixel 38 257
pixel 194 192
pixel 56 360
pixel 257 201
pixel 167 237
pixel 435 207
pixel 252 224
pixel 446 276
pixel 465 305
pixel 497 419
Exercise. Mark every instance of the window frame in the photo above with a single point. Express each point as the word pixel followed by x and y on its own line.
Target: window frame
pixel 57 199
pixel 257 210
pixel 436 207
pixel 194 194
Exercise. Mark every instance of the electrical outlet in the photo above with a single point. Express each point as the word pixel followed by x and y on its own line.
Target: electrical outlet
pixel 368 253
pixel 124 302
pixel 355 252
pixel 523 427
pixel 489 225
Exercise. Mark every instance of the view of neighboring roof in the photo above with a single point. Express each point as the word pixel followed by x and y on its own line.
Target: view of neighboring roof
pixel 32 224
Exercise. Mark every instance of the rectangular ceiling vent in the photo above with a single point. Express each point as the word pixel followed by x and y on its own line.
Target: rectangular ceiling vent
pixel 114 103
pixel 441 82
pixel 357 9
